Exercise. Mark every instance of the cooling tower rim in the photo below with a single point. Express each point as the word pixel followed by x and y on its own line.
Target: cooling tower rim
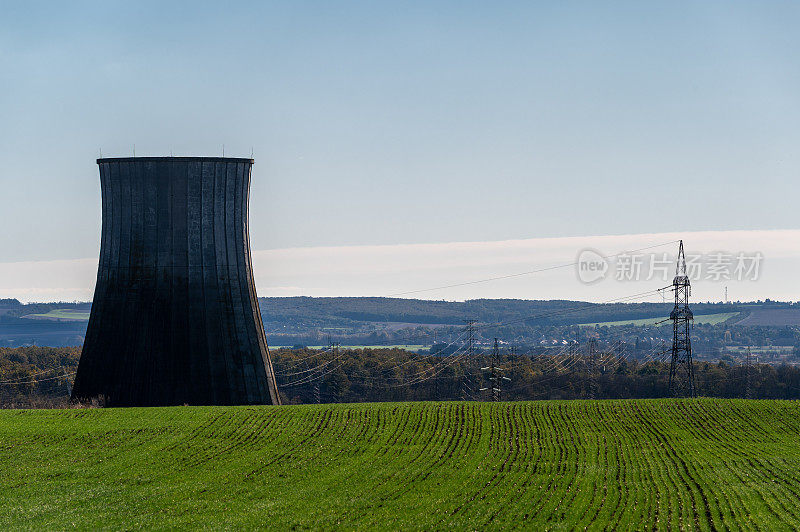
pixel 176 159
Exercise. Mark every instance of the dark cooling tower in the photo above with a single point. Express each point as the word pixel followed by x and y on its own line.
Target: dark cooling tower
pixel 175 317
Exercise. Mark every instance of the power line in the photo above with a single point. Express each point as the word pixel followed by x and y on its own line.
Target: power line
pixel 296 362
pixel 561 311
pixel 13 381
pixel 487 326
pixel 39 380
pixel 554 363
pixel 520 274
pixel 501 277
pixel 66 382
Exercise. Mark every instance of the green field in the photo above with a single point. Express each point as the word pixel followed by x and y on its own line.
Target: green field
pixel 638 464
pixel 709 319
pixel 63 314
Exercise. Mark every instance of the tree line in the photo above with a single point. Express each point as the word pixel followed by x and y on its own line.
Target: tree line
pixel 41 376
pixel 366 375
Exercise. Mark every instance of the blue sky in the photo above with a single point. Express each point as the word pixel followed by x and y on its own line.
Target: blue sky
pixel 388 123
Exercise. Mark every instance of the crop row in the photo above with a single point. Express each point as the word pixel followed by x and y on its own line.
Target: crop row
pixel 638 464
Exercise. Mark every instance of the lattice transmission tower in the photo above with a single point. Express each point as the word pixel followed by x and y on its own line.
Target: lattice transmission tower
pixel 573 351
pixel 495 376
pixel 466 390
pixel 681 368
pixel 748 393
pixel 592 368
pixel 470 328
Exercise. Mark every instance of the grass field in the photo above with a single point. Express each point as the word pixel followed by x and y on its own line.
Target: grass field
pixel 63 314
pixel 710 319
pixel 644 464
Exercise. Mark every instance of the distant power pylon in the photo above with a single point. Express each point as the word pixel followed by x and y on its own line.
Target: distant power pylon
pixel 315 386
pixel 470 328
pixel 315 392
pixel 333 347
pixel 495 377
pixel 681 368
pixel 748 393
pixel 466 389
pixel 317 395
pixel 592 367
pixel 573 351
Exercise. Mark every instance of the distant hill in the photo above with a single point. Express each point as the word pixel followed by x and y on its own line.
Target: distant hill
pixel 7 305
pixel 334 311
pixel 383 321
pixel 771 316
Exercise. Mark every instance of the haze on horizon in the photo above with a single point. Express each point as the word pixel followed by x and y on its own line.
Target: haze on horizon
pixel 435 122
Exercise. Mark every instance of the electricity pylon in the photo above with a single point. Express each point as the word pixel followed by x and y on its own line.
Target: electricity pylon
pixel 495 377
pixel 466 390
pixel 592 367
pixel 748 393
pixel 681 369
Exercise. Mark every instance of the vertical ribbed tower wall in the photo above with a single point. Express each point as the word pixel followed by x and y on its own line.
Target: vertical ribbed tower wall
pixel 175 318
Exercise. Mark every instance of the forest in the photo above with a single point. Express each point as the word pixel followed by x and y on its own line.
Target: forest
pixel 40 377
